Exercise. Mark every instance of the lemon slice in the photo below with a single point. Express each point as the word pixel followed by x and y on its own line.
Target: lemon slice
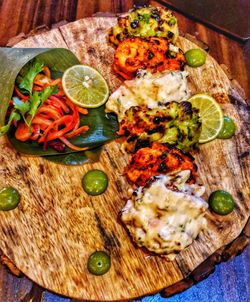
pixel 211 116
pixel 85 86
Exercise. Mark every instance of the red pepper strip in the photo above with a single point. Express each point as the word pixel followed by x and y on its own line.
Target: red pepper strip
pixel 35 132
pixel 41 120
pixel 56 101
pixel 71 146
pixel 65 120
pixel 22 132
pixel 77 131
pixel 46 70
pixel 49 111
pixel 76 117
pixel 82 110
pixel 20 95
pixel 58 109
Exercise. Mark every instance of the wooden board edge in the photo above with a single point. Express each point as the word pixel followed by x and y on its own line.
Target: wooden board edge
pixel 223 254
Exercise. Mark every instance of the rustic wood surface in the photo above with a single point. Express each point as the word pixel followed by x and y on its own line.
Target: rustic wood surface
pixel 70 218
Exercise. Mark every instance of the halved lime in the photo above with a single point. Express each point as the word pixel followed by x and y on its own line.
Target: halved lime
pixel 211 116
pixel 85 86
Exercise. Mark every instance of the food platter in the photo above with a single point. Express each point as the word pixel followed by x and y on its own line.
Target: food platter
pixel 50 236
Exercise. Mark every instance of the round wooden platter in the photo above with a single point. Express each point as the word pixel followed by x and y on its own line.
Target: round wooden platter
pixel 57 226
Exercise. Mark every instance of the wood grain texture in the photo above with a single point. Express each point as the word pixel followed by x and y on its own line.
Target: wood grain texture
pixel 23 16
pixel 57 226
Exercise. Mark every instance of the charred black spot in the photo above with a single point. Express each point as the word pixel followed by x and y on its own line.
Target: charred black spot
pixel 157 120
pixel 164 154
pixel 150 55
pixel 118 37
pixel 142 144
pixel 170 34
pixel 156 129
pixel 127 133
pixel 134 24
pixel 132 138
pixel 160 63
pixel 135 193
pixel 163 167
pixel 155 41
pixel 177 155
pixel 187 107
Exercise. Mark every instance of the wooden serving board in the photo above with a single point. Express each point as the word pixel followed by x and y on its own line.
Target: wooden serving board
pixel 57 225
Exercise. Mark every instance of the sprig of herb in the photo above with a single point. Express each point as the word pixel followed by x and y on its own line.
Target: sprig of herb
pixel 27 110
pixel 13 116
pixel 26 82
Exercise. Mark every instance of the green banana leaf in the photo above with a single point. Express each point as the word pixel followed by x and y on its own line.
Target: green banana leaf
pixel 103 126
pixel 77 158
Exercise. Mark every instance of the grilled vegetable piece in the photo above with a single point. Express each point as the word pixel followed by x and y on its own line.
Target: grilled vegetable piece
pixel 166 215
pixel 177 124
pixel 153 54
pixel 158 159
pixel 144 22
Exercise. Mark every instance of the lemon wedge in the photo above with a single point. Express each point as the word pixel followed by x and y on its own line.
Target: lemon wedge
pixel 211 116
pixel 85 86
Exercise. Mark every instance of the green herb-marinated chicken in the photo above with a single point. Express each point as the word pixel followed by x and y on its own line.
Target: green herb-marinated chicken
pixel 177 124
pixel 145 22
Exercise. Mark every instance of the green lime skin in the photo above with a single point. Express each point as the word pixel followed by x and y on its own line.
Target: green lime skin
pixel 99 263
pixel 221 202
pixel 195 57
pixel 95 182
pixel 228 128
pixel 9 199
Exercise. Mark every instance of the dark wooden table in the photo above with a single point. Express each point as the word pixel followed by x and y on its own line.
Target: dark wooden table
pixel 231 281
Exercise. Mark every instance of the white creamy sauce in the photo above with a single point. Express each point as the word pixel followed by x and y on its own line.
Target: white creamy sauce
pixel 150 90
pixel 162 220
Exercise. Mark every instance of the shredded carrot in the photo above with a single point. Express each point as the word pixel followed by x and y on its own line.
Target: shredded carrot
pixel 47 72
pixel 71 146
pixel 57 118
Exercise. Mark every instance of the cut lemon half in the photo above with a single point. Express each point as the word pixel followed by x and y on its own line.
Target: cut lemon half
pixel 211 116
pixel 85 86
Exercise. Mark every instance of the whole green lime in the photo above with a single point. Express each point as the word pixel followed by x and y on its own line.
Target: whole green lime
pixel 99 263
pixel 228 128
pixel 95 182
pixel 221 202
pixel 9 198
pixel 195 57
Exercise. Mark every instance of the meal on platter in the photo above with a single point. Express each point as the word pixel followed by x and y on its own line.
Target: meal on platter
pixel 154 116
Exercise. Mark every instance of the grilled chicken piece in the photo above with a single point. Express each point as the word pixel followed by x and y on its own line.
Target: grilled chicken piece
pixel 144 22
pixel 158 159
pixel 166 215
pixel 177 124
pixel 153 54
